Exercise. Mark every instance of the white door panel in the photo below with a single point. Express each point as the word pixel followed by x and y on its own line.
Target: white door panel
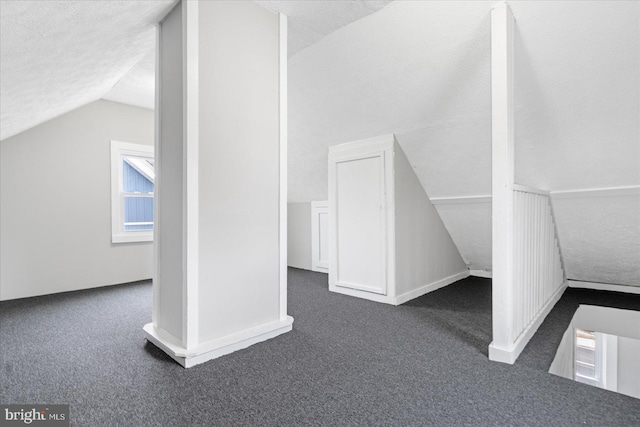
pixel 360 223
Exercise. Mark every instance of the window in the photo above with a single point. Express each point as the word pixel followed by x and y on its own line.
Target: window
pixel 132 184
pixel 588 365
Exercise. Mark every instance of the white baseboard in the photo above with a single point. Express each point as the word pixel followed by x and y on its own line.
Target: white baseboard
pixel 407 296
pixel 385 299
pixel 218 347
pixel 481 273
pixel 510 354
pixel 301 267
pixel 400 299
pixel 630 289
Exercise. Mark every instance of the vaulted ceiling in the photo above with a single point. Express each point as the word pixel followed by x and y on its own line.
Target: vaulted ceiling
pixel 422 71
pixel 58 55
pixel 419 69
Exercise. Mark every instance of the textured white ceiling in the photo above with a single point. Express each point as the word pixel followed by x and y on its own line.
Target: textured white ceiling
pixel 422 71
pixel 58 55
pixel 419 69
pixel 577 75
pixel 137 87
pixel 311 20
pixel 600 238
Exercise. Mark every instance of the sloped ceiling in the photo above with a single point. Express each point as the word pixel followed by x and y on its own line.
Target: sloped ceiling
pixel 422 71
pixel 577 93
pixel 311 20
pixel 577 119
pixel 419 69
pixel 137 87
pixel 59 55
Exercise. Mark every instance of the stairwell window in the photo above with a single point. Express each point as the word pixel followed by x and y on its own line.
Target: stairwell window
pixel 132 189
pixel 588 360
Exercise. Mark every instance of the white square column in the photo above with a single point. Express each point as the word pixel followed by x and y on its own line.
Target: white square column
pixel 220 280
pixel 503 178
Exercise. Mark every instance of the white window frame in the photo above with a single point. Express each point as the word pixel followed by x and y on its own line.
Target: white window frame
pixel 598 378
pixel 120 150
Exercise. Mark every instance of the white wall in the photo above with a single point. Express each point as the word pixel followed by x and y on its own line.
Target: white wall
pixel 239 168
pixel 170 178
pixel 576 104
pixel 299 235
pixel 55 203
pixel 425 252
pixel 628 366
pixel 469 223
pixel 417 69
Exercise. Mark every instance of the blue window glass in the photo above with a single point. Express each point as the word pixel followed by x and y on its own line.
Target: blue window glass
pixel 134 181
pixel 138 197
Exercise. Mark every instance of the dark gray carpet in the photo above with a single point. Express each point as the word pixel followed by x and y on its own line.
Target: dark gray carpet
pixel 347 362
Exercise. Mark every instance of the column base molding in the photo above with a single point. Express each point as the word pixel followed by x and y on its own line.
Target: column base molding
pixel 509 354
pixel 218 347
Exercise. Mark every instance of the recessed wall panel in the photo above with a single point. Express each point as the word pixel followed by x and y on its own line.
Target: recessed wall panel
pixel 360 224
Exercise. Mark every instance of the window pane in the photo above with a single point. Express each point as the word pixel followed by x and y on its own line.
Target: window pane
pixel 586 355
pixel 138 209
pixel 137 175
pixel 588 371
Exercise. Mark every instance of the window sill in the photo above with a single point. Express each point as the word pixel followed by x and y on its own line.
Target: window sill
pixel 132 237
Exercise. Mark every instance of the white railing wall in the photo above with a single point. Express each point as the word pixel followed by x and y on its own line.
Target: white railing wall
pixel 528 276
pixel 538 272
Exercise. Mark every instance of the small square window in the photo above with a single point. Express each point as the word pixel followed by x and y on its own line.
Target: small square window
pixel 132 190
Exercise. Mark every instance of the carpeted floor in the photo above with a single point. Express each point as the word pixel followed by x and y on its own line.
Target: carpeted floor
pixel 347 361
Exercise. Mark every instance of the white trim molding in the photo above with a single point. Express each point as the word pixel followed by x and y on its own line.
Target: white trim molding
pixel 430 287
pixel 630 289
pixel 119 150
pixel 283 146
pixel 481 273
pixel 629 190
pixel 509 354
pixel 318 209
pixel 460 200
pixel 528 189
pixel 407 296
pixel 190 174
pixel 157 151
pixel 218 347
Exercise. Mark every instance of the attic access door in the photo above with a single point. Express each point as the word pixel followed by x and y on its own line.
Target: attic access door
pixel 360 222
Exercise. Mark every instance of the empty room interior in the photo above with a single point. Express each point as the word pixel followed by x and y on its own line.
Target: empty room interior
pixel 320 212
